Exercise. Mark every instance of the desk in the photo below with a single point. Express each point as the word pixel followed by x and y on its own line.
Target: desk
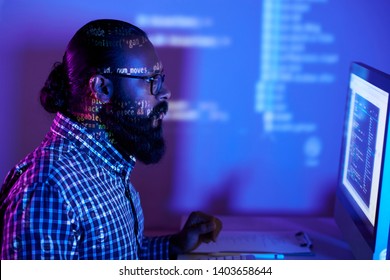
pixel 328 243
pixel 327 240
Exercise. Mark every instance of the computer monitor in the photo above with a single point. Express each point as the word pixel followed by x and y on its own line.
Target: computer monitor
pixel 362 208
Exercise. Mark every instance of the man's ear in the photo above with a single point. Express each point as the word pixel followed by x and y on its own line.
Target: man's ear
pixel 101 88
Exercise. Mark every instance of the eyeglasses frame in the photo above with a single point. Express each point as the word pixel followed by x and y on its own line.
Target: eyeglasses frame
pixel 148 79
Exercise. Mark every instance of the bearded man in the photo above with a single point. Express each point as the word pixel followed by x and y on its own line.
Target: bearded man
pixel 71 198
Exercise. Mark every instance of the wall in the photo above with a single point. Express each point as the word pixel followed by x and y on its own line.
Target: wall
pixel 258 95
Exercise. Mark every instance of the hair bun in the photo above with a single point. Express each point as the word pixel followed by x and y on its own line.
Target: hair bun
pixel 54 93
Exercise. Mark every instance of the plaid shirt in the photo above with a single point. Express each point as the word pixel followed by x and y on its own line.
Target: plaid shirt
pixel 72 199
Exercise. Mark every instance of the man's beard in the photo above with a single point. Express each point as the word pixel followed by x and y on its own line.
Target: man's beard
pixel 135 135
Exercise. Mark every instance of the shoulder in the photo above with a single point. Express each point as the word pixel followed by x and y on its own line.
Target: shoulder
pixel 52 166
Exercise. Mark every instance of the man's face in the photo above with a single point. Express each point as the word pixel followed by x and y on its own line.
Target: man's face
pixel 134 116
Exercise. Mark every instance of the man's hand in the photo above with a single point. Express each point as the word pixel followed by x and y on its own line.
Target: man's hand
pixel 198 228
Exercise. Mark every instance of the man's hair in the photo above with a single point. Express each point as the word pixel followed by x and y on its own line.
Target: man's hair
pixel 97 45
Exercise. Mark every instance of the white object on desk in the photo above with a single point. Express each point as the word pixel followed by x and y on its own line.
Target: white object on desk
pixel 279 242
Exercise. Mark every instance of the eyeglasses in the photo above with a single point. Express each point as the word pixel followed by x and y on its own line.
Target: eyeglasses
pixel 156 81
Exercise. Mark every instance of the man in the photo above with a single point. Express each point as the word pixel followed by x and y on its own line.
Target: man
pixel 72 198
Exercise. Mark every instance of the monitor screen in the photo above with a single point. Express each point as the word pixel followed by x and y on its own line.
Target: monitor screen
pixel 364 144
pixel 363 149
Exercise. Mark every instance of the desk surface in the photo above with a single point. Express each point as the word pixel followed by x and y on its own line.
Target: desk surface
pixel 326 237
pixel 328 243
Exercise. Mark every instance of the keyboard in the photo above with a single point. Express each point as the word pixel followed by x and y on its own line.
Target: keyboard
pixel 216 257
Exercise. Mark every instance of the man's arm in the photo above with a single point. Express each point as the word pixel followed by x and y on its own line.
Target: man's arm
pixel 155 248
pixel 36 224
pixel 199 228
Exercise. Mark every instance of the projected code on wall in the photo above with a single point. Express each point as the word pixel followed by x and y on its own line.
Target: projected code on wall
pixel 294 51
pixel 361 158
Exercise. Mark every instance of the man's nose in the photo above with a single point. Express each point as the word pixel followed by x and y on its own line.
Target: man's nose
pixel 164 94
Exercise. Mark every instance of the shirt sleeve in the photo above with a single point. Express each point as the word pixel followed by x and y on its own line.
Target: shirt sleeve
pixel 155 248
pixel 36 224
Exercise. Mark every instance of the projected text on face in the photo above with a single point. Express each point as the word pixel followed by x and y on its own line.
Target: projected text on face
pixel 362 151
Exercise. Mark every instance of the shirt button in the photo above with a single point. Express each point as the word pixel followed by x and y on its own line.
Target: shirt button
pixel 100 234
pixel 16 244
pixel 118 167
pixel 47 245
